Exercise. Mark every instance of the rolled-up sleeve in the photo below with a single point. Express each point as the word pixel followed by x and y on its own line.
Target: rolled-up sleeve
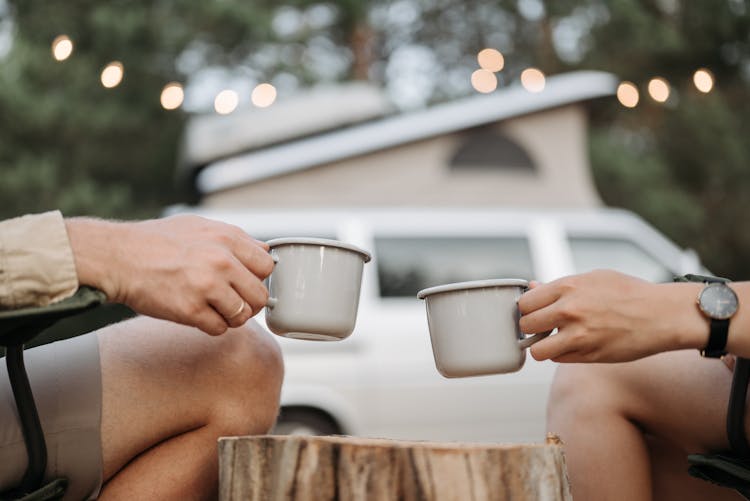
pixel 36 262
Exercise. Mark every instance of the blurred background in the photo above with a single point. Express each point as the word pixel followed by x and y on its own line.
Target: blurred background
pixel 88 126
pixel 122 109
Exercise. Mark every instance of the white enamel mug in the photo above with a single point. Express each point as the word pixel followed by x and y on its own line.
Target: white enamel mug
pixel 474 327
pixel 314 288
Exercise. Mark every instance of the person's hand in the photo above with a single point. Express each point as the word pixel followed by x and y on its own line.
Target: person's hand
pixel 187 269
pixel 606 316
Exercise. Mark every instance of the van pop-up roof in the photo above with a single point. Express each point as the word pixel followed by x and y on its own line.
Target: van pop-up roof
pixel 505 147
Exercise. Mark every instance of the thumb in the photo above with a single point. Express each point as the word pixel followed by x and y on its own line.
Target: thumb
pixel 534 283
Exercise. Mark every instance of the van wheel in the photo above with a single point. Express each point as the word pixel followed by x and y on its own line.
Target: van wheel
pixel 295 421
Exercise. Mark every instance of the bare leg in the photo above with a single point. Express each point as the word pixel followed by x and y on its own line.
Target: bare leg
pixel 169 392
pixel 603 412
pixel 670 480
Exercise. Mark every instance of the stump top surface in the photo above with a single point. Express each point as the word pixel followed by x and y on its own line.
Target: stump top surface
pixel 343 440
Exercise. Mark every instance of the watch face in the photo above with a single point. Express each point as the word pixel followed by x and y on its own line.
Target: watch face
pixel 717 300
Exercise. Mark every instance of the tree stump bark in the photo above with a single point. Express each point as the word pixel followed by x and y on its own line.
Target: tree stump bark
pixel 307 468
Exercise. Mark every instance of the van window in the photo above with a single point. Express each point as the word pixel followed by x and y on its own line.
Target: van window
pixel 488 149
pixel 617 254
pixel 407 265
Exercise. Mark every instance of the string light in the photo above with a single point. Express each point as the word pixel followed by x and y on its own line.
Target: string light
pixel 627 94
pixel 658 89
pixel 62 47
pixel 483 81
pixel 226 102
pixel 172 96
pixel 112 74
pixel 703 80
pixel 491 60
pixel 263 95
pixel 533 80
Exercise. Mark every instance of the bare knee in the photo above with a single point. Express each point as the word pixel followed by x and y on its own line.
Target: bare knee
pixel 250 369
pixel 581 393
pixel 567 394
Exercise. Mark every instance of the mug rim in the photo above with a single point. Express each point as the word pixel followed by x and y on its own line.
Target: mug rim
pixel 473 284
pixel 325 242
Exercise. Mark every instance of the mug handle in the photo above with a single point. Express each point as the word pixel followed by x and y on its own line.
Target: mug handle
pixel 271 301
pixel 528 341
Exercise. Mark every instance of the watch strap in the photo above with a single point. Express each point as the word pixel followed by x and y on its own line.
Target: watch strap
pixel 717 340
pixel 706 279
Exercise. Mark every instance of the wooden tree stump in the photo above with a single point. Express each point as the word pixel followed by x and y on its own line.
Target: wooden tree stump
pixel 307 468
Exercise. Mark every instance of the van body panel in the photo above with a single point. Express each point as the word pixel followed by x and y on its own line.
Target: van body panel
pixel 382 380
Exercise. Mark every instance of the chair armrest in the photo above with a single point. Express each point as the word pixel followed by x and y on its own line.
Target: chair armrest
pixel 21 324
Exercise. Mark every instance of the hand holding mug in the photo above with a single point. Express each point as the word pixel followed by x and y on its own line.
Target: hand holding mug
pixel 607 316
pixel 184 268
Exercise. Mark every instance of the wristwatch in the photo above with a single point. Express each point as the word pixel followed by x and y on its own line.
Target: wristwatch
pixel 718 302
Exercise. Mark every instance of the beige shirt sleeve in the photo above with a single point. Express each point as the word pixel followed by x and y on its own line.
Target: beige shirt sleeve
pixel 36 262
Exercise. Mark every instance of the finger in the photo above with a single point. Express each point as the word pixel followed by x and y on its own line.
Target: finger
pixel 210 322
pixel 251 289
pixel 223 296
pixel 537 297
pixel 254 257
pixel 572 357
pixel 250 239
pixel 230 305
pixel 552 347
pixel 264 245
pixel 241 314
pixel 542 320
pixel 231 281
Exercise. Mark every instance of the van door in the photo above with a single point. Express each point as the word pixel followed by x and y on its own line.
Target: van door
pixel 410 399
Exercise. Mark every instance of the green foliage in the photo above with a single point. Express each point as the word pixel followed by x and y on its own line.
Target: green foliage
pixel 682 165
pixel 66 142
pixel 643 182
pixel 69 143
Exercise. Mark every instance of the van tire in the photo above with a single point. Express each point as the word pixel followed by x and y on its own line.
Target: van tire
pixel 305 421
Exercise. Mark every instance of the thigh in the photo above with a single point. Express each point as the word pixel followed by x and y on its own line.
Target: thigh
pixel 678 396
pixel 162 379
pixel 670 481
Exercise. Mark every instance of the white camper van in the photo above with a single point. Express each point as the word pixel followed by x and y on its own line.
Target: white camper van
pixel 382 380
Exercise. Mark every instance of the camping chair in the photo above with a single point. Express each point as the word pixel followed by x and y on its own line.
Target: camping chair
pixel 18 327
pixel 730 468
